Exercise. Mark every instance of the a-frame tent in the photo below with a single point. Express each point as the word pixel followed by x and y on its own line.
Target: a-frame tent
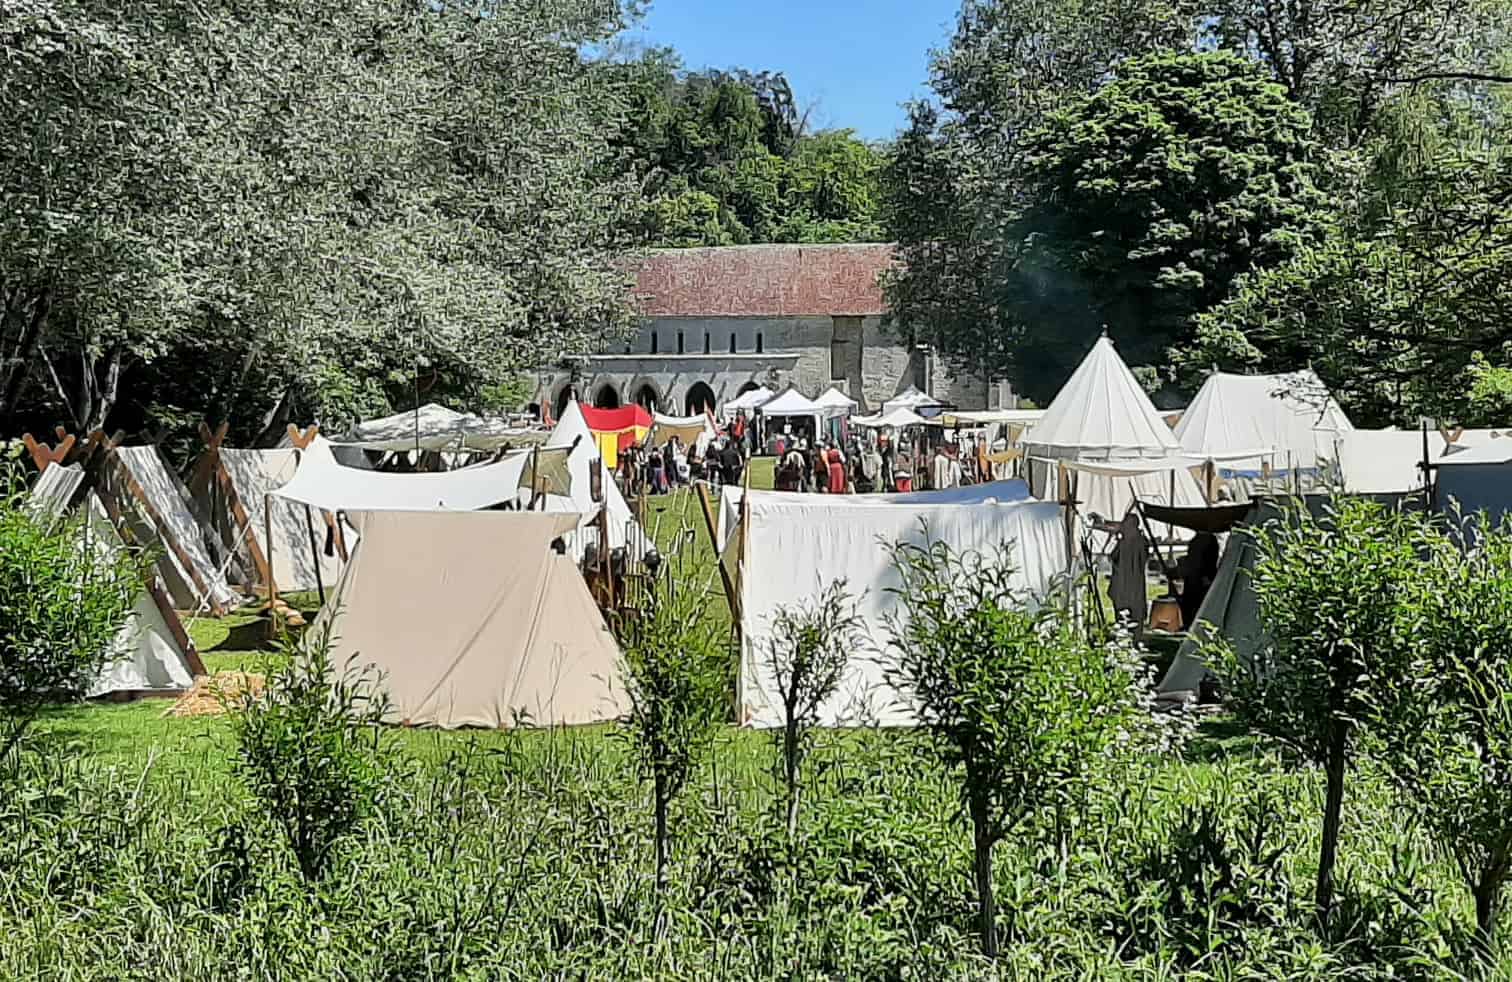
pixel 157 509
pixel 152 653
pixel 471 618
pixel 624 531
pixel 232 491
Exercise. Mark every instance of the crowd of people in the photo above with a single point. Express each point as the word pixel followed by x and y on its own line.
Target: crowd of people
pixel 868 463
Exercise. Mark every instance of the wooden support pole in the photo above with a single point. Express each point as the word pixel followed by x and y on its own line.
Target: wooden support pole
pixel 724 574
pixel 42 455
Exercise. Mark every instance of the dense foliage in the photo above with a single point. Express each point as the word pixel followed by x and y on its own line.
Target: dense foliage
pixel 221 211
pixel 67 586
pixel 725 158
pixel 1347 210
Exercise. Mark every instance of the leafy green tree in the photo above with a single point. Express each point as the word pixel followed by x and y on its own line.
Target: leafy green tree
pixel 677 674
pixel 310 750
pixel 298 203
pixel 808 650
pixel 1392 317
pixel 1443 727
pixel 1331 590
pixel 1017 703
pixel 65 594
pixel 832 190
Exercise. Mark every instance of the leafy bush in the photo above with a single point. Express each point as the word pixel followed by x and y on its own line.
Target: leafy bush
pixel 309 749
pixel 65 593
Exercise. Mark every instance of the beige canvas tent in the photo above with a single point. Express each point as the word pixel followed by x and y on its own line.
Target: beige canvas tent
pixel 152 652
pixel 472 619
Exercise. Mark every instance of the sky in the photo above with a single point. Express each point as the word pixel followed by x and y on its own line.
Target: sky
pixel 854 61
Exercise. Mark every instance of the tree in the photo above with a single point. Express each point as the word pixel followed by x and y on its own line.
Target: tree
pixel 1444 724
pixel 1393 316
pixel 67 587
pixel 1330 590
pixel 313 210
pixel 677 675
pixel 832 192
pixel 808 650
pixel 1016 702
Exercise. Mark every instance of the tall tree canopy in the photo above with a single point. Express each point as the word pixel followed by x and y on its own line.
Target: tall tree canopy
pixel 1059 178
pixel 244 211
pixel 725 158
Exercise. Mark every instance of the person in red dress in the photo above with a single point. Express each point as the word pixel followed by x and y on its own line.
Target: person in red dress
pixel 836 471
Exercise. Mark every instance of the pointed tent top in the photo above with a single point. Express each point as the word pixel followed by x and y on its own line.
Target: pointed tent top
pixel 791 403
pixel 1283 414
pixel 1103 413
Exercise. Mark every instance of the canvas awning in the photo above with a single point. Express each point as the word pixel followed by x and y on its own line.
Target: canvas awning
pixel 434 427
pixel 323 483
pixel 749 401
pixel 909 398
pixel 896 419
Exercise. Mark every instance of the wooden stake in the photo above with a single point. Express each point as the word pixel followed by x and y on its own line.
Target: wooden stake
pixel 724 574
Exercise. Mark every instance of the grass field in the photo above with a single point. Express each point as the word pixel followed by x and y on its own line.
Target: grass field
pixel 134 851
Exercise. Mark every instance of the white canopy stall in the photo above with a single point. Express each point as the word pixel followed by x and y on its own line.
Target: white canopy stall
pixel 747 401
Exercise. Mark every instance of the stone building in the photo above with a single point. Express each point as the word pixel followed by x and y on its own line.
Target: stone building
pixel 722 321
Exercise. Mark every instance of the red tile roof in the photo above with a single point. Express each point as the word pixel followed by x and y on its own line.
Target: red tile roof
pixel 764 281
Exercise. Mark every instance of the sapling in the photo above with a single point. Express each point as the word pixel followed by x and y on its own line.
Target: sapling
pixel 1329 589
pixel 1016 701
pixel 1444 726
pixel 310 750
pixel 677 675
pixel 808 649
pixel 67 587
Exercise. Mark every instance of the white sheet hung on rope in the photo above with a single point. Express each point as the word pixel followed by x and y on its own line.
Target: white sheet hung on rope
pixel 323 483
pixel 1384 461
pixel 798 544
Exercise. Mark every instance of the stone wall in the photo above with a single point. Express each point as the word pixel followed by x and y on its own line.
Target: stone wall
pixel 793 351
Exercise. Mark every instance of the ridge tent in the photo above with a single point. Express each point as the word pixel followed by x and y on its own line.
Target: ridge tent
pixel 151 653
pixel 615 429
pixel 233 489
pixel 790 546
pixel 1102 415
pixel 691 430
pixel 156 507
pixel 1291 417
pixel 472 619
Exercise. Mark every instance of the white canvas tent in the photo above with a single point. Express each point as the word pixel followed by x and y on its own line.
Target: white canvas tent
pixel 748 401
pixel 156 506
pixel 1291 419
pixel 1383 461
pixel 232 489
pixel 1102 415
pixel 791 404
pixel 791 546
pixel 473 620
pixel 836 403
pixel 895 419
pixel 151 653
pixel 433 427
pixel 909 398
pixel 572 435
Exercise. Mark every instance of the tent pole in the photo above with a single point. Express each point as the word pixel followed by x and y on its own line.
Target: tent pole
pixel 315 554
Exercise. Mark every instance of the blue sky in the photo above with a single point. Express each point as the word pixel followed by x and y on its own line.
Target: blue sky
pixel 855 61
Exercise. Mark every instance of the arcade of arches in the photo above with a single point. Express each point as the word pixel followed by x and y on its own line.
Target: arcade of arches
pixel 700 397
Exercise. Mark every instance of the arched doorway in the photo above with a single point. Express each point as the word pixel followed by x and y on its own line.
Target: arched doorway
pixel 607 397
pixel 560 402
pixel 699 398
pixel 748 387
pixel 646 398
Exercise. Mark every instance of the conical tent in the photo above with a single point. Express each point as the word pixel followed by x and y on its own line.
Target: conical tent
pixel 148 655
pixel 1102 414
pixel 472 619
pixel 623 528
